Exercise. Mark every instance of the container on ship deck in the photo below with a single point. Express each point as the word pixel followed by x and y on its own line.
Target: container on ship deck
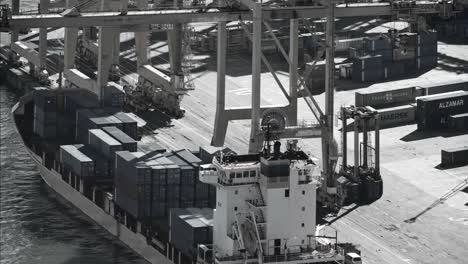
pixel 129 124
pixel 104 143
pixel 102 167
pixel 127 142
pixel 433 111
pixel 45 117
pixel 458 122
pixel 77 161
pixel 385 98
pixel 454 156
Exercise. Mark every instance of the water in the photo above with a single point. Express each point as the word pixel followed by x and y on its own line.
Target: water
pixel 34 226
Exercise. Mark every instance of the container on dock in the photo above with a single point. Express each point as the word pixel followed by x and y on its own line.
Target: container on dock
pixel 385 98
pixel 454 156
pixel 369 75
pixel 433 111
pixel 423 51
pixel 368 63
pixel 127 142
pixel 404 54
pixel 458 122
pixel 445 86
pixel 102 166
pixel 77 161
pixel 397 116
pixel 377 44
pixel 394 70
pixel 426 62
pixel 103 143
pixel 427 38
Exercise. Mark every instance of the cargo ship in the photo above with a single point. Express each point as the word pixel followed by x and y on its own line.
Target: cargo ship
pixel 205 206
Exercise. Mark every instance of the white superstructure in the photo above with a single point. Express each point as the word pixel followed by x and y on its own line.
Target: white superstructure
pixel 265 210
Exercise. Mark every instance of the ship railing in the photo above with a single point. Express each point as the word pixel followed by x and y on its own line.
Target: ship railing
pixel 323 253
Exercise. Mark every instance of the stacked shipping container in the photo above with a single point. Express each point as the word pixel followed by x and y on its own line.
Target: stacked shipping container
pixel 368 68
pixel 127 142
pixel 433 112
pixel 171 181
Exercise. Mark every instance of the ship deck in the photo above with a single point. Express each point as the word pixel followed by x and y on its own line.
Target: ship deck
pixel 408 160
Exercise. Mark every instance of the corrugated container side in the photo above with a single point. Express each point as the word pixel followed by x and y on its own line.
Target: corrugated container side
pixel 426 62
pixel 456 156
pixel 397 116
pixel 446 86
pixel 458 122
pixel 44 130
pixel 127 142
pixel 385 98
pixel 433 112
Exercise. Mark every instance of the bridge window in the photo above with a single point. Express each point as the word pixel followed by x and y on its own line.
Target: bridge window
pixel 253 173
pixel 246 174
pixel 286 193
pixel 238 174
pixel 232 175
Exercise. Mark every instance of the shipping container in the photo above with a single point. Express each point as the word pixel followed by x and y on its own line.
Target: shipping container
pixel 427 62
pixel 394 70
pixel 445 86
pixel 127 142
pixel 370 75
pixel 368 63
pixel 45 117
pixel 397 116
pixel 454 156
pixel 433 112
pixel 427 38
pixel 377 44
pixel 72 158
pixel 404 54
pixel 386 98
pixel 44 130
pixel 129 124
pixel 423 51
pixel 103 143
pixel 102 167
pixel 190 227
pixel 387 55
pixel 458 122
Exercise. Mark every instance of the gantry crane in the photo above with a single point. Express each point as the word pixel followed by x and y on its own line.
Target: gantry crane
pixel 246 10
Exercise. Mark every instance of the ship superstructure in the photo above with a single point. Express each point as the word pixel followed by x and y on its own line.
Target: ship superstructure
pixel 265 209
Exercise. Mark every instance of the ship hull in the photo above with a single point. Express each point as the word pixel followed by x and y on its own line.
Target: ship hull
pixel 135 241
